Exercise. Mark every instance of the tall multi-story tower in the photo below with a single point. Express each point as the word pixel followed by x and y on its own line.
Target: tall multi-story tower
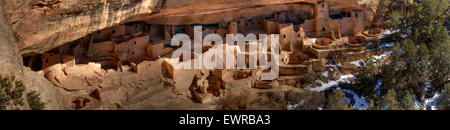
pixel 321 18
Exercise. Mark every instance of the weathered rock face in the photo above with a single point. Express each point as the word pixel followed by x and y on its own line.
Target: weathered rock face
pixel 41 25
pixel 11 65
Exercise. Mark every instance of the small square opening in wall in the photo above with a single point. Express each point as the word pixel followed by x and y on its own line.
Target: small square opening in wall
pixel 284 36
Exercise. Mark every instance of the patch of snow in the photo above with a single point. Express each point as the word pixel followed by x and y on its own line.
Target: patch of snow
pixel 339 64
pixel 291 107
pixel 428 103
pixel 383 45
pixel 427 87
pixel 356 63
pixel 325 73
pixel 387 33
pixel 348 100
pixel 408 30
pixel 417 103
pixel 331 83
pixel 377 86
pixel 330 62
pixel 403 35
pixel 360 102
pixel 394 3
pixel 382 54
pixel 372 49
pixel 431 102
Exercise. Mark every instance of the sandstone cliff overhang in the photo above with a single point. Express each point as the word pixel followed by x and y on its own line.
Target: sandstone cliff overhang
pixel 41 25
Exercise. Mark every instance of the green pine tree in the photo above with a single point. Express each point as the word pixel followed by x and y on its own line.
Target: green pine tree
pixel 372 105
pixel 410 69
pixel 440 64
pixel 444 100
pixel 34 100
pixel 367 76
pixel 374 102
pixel 425 22
pixel 336 101
pixel 425 31
pixel 382 10
pixel 407 102
pixel 389 101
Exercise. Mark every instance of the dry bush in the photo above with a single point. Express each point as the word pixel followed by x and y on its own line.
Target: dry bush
pixel 306 100
pixel 309 78
pixel 245 100
pixel 235 101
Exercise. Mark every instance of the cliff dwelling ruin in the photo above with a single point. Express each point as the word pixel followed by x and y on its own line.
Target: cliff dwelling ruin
pixel 107 68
